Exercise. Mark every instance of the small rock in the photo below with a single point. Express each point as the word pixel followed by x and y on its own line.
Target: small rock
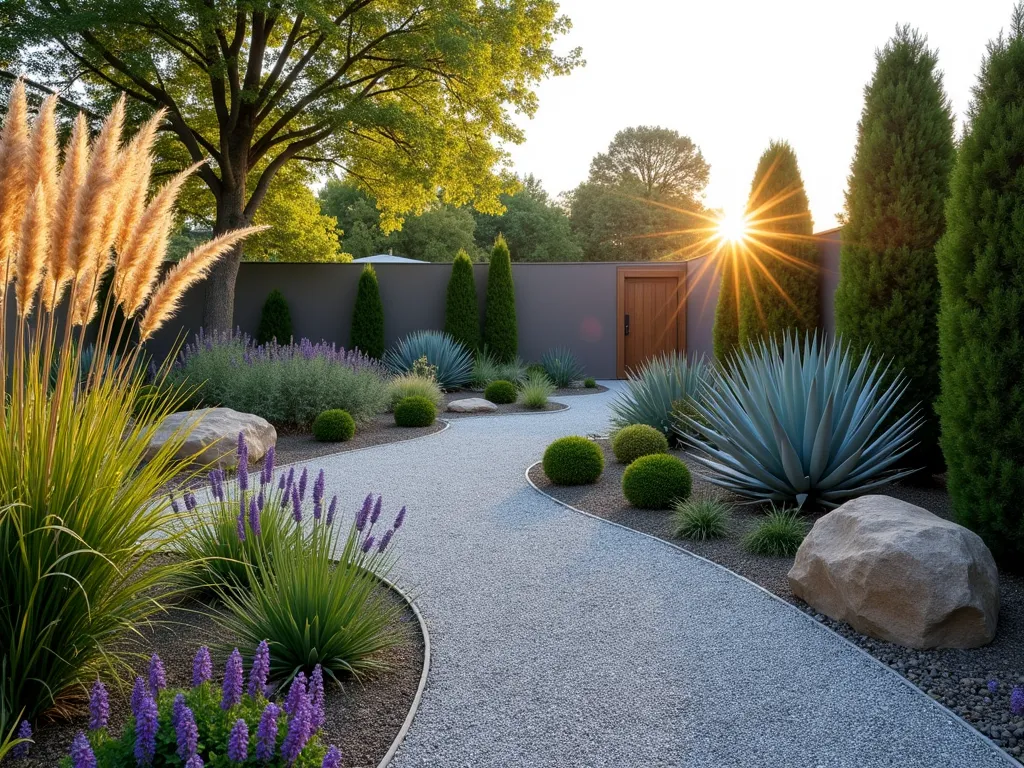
pixel 472 405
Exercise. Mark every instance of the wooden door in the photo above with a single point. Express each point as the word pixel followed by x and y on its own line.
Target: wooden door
pixel 652 314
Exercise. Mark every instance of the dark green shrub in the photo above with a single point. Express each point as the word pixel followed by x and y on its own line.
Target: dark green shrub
pixel 981 312
pixel 501 334
pixel 590 383
pixel 334 426
pixel 780 534
pixel 700 519
pixel 789 299
pixel 636 440
pixel 573 461
pixel 655 481
pixel 275 320
pixel 461 312
pixel 368 316
pixel 501 392
pixel 415 411
pixel 888 294
pixel 726 331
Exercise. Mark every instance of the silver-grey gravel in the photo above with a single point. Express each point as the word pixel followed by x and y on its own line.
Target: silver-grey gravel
pixel 560 640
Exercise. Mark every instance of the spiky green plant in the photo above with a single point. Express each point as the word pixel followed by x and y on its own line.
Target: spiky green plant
pixel 652 392
pixel 453 361
pixel 487 368
pixel 806 423
pixel 411 385
pixel 700 519
pixel 562 366
pixel 536 391
pixel 780 534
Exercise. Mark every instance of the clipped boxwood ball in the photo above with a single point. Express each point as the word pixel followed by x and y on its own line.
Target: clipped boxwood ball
pixel 636 440
pixel 415 411
pixel 573 461
pixel 501 392
pixel 334 426
pixel 655 481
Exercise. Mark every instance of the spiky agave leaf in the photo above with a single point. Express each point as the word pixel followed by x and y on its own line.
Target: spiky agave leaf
pixel 454 362
pixel 807 423
pixel 653 392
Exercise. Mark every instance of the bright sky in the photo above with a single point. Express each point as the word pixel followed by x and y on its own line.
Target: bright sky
pixel 734 74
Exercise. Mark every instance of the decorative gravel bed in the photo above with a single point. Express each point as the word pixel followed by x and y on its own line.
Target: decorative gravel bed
pixel 517 407
pixel 363 718
pixel 956 678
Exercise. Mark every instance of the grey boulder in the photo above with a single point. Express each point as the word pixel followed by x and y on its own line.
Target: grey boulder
pixel 212 435
pixel 472 405
pixel 897 572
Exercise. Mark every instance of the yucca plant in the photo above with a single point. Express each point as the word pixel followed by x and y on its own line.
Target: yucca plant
pixel 75 576
pixel 453 361
pixel 659 387
pixel 561 366
pixel 804 423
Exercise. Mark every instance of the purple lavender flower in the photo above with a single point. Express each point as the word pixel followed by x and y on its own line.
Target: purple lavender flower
pixel 81 752
pixel 299 731
pixel 281 483
pixel 376 510
pixel 333 758
pixel 332 509
pixel 145 731
pixel 21 751
pixel 202 667
pixel 266 734
pixel 399 519
pixel 261 501
pixel 303 479
pixel 267 473
pixel 174 505
pixel 232 688
pixel 385 539
pixel 254 515
pixel 99 706
pixel 139 692
pixel 296 692
pixel 243 457
pixel 368 544
pixel 317 715
pixel 186 732
pixel 216 487
pixel 296 505
pixel 318 496
pixel 190 501
pixel 289 481
pixel 364 513
pixel 157 676
pixel 240 527
pixel 176 709
pixel 238 742
pixel 1017 701
pixel 260 670
pixel 194 762
pixel 993 686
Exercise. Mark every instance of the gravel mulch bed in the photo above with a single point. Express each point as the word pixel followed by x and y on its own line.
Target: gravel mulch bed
pixel 509 407
pixel 363 718
pixel 953 677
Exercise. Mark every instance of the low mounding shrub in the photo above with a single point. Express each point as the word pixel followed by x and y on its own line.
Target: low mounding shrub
pixel 536 391
pixel 415 411
pixel 636 440
pixel 275 320
pixel 561 366
pixel 288 385
pixel 700 519
pixel 453 361
pixel 334 426
pixel 501 392
pixel 487 368
pixel 780 534
pixel 211 723
pixel 655 481
pixel 573 461
pixel 590 383
pixel 411 385
pixel 653 392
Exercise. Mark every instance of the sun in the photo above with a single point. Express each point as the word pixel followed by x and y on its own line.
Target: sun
pixel 732 227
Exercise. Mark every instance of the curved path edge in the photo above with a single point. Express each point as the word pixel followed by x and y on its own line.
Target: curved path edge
pixel 1010 761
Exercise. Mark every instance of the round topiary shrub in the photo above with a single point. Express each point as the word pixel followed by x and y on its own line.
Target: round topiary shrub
pixel 655 481
pixel 334 426
pixel 415 411
pixel 636 440
pixel 573 461
pixel 590 383
pixel 501 392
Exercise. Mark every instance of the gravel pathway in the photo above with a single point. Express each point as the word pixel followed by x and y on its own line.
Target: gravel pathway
pixel 560 640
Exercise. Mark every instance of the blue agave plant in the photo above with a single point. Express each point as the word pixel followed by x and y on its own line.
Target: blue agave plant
pixel 806 423
pixel 453 361
pixel 561 366
pixel 654 391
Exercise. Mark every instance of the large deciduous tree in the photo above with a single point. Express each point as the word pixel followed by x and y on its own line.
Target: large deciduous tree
pixel 533 226
pixel 981 307
pixel 408 97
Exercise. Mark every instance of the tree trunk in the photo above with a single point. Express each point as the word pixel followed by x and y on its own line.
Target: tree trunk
pixel 219 304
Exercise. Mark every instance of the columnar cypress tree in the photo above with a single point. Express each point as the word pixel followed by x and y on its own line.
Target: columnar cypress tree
pixel 981 308
pixel 501 335
pixel 780 219
pixel 461 312
pixel 368 315
pixel 275 320
pixel 726 332
pixel 888 295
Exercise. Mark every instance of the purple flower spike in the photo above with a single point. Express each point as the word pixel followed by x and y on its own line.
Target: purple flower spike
pixel 291 479
pixel 332 509
pixel 303 479
pixel 190 501
pixel 232 688
pixel 240 527
pixel 376 510
pixel 238 742
pixel 139 693
pixel 157 676
pixel 268 467
pixel 400 518
pixel 145 731
pixel 318 487
pixel 364 513
pixel 296 693
pixel 174 505
pixel 186 732
pixel 261 501
pixel 254 515
pixel 385 539
pixel 99 707
pixel 316 695
pixel 21 751
pixel 82 755
pixel 202 667
pixel 296 505
pixel 368 544
pixel 333 758
pixel 195 762
pixel 260 670
pixel 280 483
pixel 266 734
pixel 217 484
pixel 993 686
pixel 299 732
pixel 243 454
pixel 177 708
pixel 1017 701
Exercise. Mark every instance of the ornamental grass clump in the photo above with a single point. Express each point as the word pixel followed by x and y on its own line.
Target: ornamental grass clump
pixel 700 519
pixel 536 391
pixel 780 534
pixel 412 385
pixel 653 392
pixel 487 368
pixel 562 366
pixel 76 497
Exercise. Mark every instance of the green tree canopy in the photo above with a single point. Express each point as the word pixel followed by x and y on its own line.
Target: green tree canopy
pixel 888 295
pixel 533 226
pixel 408 97
pixel 656 160
pixel 981 310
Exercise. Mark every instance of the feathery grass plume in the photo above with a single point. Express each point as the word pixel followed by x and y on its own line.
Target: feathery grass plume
pixel 43 148
pixel 137 170
pixel 31 262
pixel 70 183
pixel 14 192
pixel 187 272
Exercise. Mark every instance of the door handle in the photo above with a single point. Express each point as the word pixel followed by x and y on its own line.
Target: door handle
pixel 627 326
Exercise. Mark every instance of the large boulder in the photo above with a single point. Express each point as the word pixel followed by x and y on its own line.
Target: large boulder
pixel 897 572
pixel 213 435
